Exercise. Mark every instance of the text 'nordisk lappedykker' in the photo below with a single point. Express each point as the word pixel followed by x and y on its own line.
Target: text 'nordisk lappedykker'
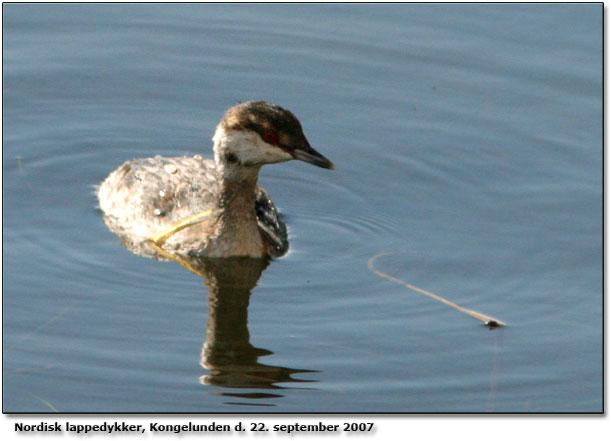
pixel 123 427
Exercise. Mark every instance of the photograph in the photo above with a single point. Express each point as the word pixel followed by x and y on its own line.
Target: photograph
pixel 307 209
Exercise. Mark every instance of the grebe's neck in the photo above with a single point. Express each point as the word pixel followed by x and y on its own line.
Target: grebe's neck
pixel 236 221
pixel 237 176
pixel 237 186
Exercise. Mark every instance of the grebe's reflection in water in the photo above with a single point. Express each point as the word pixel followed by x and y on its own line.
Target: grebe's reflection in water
pixel 227 353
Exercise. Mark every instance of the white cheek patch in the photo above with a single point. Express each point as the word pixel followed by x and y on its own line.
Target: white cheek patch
pixel 249 148
pixel 266 153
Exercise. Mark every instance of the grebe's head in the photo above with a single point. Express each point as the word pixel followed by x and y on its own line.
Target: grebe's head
pixel 254 133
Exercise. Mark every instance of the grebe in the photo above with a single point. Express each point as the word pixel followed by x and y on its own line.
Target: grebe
pixel 158 197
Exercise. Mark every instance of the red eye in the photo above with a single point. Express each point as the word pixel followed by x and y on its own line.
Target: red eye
pixel 270 137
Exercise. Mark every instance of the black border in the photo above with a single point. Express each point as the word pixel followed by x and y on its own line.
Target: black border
pixel 273 414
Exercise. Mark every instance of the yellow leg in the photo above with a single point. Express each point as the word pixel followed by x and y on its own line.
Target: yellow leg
pixel 183 262
pixel 158 239
pixel 162 236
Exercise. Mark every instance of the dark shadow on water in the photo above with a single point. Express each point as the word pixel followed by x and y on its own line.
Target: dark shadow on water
pixel 229 357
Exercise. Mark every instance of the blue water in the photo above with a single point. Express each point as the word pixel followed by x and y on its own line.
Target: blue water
pixel 468 141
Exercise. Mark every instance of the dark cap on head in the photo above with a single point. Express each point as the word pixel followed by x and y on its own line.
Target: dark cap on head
pixel 276 126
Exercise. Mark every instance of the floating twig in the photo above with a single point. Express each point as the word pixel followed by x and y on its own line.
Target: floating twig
pixel 487 320
pixel 46 403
